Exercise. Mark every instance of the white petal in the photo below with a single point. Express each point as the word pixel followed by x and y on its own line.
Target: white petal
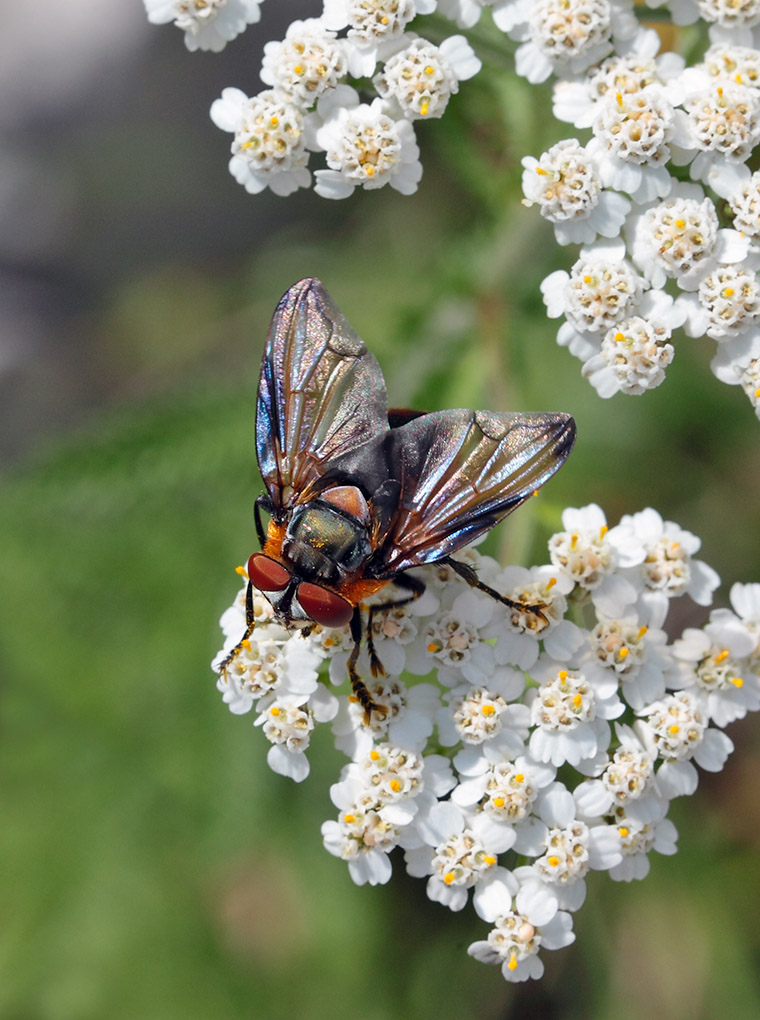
pixel 730 246
pixel 293 764
pixel 677 779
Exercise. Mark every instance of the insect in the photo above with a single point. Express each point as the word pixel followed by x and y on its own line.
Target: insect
pixel 358 494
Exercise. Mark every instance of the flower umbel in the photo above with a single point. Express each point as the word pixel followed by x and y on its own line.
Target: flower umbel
pixel 464 802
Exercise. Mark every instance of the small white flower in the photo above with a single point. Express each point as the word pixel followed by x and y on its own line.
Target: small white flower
pixel 308 62
pixel 577 101
pixel 455 855
pixel 635 353
pixel 680 239
pixel 408 721
pixel 364 147
pixel 632 135
pixel 745 598
pixel 505 790
pixel 365 833
pixel 475 715
pixel 669 569
pixel 591 553
pixel 712 664
pixel 749 380
pixel 518 630
pixel 676 729
pixel 726 306
pixel 454 641
pixel 207 24
pixel 630 772
pixel 566 185
pixel 635 654
pixel 569 711
pixel 726 62
pixel 422 77
pixel 567 36
pixel 741 189
pixel 730 14
pixel 374 27
pixel 642 827
pixel 269 660
pixel 737 363
pixel 723 124
pixel 566 847
pixel 391 773
pixel 288 723
pixel 526 919
pixel 269 145
pixel 601 289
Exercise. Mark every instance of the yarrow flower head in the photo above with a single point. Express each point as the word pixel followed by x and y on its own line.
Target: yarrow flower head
pixel 632 135
pixel 567 36
pixel 723 124
pixel 727 62
pixel 668 568
pixel 730 14
pixel 592 554
pixel 601 290
pixel 207 24
pixel 309 62
pixel 622 74
pixel 364 146
pixel 680 238
pixel 459 770
pixel 726 306
pixel 526 919
pixel 422 77
pixel 635 352
pixel 269 143
pixel 566 185
pixel 374 27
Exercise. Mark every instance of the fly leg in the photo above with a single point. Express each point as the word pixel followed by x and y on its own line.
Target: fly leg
pixel 361 693
pixel 416 587
pixel 266 503
pixel 249 625
pixel 467 574
pixel 262 503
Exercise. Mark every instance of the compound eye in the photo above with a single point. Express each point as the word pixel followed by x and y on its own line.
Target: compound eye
pixel 267 574
pixel 324 606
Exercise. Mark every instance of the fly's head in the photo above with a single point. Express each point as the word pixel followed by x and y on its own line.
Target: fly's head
pixel 324 546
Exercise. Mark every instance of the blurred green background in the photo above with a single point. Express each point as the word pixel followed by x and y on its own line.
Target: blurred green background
pixel 153 866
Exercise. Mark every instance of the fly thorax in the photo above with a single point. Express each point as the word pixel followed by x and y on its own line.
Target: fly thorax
pixel 323 543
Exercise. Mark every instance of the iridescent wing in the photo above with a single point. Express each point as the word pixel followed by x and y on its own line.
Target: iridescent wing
pixel 321 393
pixel 461 472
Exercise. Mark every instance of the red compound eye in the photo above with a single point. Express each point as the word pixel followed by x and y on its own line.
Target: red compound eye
pixel 267 574
pixel 324 606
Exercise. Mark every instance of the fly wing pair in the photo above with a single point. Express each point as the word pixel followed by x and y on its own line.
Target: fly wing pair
pixel 322 419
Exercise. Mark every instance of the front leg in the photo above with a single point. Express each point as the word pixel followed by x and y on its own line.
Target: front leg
pixel 249 625
pixel 466 572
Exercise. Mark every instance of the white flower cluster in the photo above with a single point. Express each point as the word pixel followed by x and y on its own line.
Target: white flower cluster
pixel 591 685
pixel 310 104
pixel 658 252
pixel 311 107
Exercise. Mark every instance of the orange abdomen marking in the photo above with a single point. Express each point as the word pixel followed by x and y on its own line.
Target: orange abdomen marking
pixel 273 544
pixel 349 499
